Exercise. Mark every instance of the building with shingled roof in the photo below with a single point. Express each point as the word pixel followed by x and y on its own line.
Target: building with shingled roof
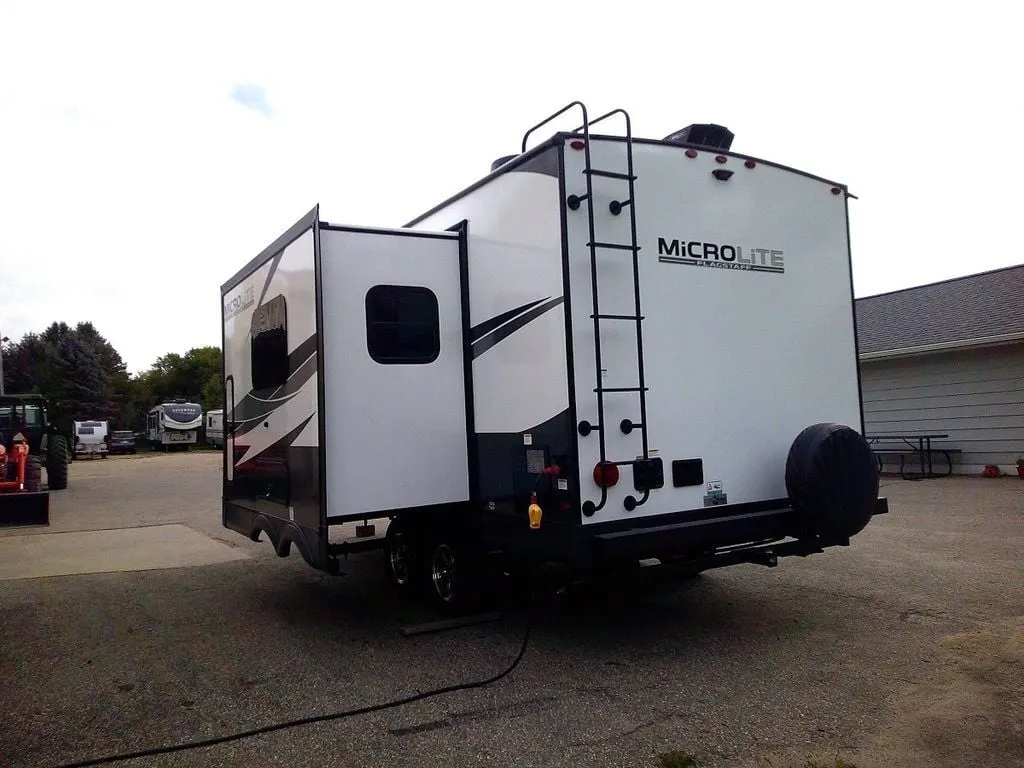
pixel 948 358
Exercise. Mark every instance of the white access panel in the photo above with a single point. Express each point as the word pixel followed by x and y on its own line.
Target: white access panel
pixel 737 360
pixel 395 434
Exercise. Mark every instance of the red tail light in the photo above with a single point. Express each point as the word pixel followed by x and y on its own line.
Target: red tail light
pixel 606 474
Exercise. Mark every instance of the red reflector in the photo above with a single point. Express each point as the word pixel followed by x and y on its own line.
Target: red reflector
pixel 606 474
pixel 750 163
pixel 577 144
pixel 836 190
pixel 691 153
pixel 720 158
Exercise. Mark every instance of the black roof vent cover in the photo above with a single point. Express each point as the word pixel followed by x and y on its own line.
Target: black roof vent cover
pixel 501 161
pixel 703 135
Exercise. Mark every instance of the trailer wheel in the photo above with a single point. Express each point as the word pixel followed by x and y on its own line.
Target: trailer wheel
pixel 402 556
pixel 33 473
pixel 454 574
pixel 57 463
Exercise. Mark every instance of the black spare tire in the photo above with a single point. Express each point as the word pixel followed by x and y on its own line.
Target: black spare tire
pixel 832 481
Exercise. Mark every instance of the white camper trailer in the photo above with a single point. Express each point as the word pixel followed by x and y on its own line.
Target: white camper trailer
pixel 174 426
pixel 215 426
pixel 608 349
pixel 91 438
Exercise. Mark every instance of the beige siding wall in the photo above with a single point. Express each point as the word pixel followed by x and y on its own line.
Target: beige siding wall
pixel 976 397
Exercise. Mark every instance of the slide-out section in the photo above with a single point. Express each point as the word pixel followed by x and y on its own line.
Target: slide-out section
pixel 395 407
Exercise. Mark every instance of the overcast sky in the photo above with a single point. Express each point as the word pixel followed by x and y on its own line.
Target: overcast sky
pixel 147 151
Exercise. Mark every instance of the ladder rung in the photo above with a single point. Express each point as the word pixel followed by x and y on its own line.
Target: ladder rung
pixel 610 174
pixel 621 389
pixel 614 246
pixel 617 317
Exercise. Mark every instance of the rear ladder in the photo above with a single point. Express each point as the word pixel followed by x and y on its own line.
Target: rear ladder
pixel 646 474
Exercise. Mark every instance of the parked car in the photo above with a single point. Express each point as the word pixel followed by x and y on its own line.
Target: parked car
pixel 122 442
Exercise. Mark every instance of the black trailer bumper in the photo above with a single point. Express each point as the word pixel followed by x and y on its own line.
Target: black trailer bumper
pixel 698 534
pixel 692 535
pixel 24 508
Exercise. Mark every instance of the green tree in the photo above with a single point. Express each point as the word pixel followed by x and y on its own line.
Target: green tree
pixel 213 393
pixel 76 369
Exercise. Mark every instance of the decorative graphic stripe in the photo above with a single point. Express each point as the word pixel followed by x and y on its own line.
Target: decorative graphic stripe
pixel 301 354
pixel 477 332
pixel 270 275
pixel 295 384
pixel 483 344
pixel 251 417
pixel 277 446
pixel 251 409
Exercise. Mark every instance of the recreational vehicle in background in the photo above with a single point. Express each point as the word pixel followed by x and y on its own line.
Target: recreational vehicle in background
pixel 215 426
pixel 609 349
pixel 174 426
pixel 91 438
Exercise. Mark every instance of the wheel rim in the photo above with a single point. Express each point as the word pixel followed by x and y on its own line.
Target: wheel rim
pixel 442 572
pixel 400 563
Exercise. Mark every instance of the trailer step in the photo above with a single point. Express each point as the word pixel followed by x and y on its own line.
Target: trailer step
pixel 609 174
pixel 443 625
pixel 614 246
pixel 617 317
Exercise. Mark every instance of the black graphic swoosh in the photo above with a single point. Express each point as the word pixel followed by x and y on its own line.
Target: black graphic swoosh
pixel 478 331
pixel 276 446
pixel 486 342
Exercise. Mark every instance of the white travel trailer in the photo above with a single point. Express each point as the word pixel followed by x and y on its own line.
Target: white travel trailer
pixel 608 349
pixel 215 426
pixel 91 438
pixel 174 426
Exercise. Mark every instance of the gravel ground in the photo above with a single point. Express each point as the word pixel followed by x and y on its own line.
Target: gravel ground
pixel 906 648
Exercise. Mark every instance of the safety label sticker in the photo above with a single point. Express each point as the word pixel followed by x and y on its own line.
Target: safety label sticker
pixel 715 494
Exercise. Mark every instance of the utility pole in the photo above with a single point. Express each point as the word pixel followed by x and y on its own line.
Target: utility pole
pixel 3 340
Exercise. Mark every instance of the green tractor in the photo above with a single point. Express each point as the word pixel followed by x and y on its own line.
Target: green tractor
pixel 29 443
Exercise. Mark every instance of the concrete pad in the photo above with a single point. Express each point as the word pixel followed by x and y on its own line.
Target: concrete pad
pixel 122 549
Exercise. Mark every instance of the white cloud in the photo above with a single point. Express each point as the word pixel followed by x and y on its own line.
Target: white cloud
pixel 253 97
pixel 134 182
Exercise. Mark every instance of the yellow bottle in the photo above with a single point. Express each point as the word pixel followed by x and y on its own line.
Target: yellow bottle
pixel 535 512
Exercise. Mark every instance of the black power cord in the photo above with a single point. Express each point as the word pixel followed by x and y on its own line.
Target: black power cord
pixel 189 745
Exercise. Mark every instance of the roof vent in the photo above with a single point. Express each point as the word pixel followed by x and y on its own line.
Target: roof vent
pixel 703 135
pixel 501 161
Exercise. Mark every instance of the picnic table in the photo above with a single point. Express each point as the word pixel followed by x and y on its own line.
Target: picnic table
pixel 917 444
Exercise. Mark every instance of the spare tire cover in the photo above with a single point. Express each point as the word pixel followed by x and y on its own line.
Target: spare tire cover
pixel 832 480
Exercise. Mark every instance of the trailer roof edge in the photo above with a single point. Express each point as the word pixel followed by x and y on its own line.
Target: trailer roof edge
pixel 293 232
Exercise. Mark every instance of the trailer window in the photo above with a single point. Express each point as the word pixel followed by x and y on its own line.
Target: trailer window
pixel 269 349
pixel 402 324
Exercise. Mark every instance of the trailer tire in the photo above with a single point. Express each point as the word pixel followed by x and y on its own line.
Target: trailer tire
pixel 454 574
pixel 832 481
pixel 33 474
pixel 403 557
pixel 57 463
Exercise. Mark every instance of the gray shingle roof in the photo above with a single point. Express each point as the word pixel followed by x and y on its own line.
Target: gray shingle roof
pixel 958 310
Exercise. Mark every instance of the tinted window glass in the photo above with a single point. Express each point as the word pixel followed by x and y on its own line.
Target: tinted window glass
pixel 269 334
pixel 402 324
